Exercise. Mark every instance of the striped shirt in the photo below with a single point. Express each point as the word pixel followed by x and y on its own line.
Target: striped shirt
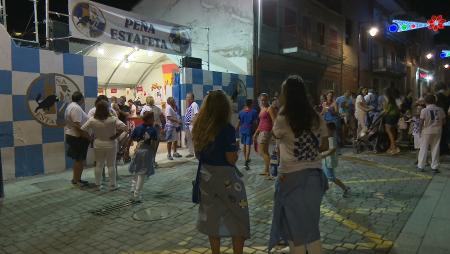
pixel 191 111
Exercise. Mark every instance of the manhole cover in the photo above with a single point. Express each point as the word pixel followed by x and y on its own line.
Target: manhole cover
pixel 157 212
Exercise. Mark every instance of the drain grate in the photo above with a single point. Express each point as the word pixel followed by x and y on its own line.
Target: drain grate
pixel 112 208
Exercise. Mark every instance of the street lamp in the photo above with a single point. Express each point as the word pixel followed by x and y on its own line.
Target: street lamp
pixel 429 56
pixel 373 31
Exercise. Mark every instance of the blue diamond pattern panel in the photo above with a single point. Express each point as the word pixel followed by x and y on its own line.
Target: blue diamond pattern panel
pixel 29 160
pixel 5 82
pixel 22 92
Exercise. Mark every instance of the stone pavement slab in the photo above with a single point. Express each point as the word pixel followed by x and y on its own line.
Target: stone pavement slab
pixel 47 215
pixel 428 228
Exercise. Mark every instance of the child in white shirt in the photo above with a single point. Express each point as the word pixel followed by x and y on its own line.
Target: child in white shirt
pixel 432 118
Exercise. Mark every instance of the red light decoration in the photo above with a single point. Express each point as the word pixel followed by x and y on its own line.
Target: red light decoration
pixel 436 23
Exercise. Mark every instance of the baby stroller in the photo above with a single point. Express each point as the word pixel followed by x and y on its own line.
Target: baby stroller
pixel 375 139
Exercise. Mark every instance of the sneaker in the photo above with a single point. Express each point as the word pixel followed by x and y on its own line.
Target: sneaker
pixel 420 169
pixel 189 155
pixel 169 157
pixel 80 183
pixel 177 155
pixel 135 197
pixel 435 171
pixel 346 193
pixel 99 187
pixel 113 187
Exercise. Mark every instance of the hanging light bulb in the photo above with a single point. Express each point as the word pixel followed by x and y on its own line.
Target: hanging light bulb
pixel 101 51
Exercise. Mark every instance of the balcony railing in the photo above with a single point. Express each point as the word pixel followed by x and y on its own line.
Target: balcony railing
pixel 294 36
pixel 387 65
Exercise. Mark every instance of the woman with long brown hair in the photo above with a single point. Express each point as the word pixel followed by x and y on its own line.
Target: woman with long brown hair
pixel 391 117
pixel 301 184
pixel 106 128
pixel 223 210
pixel 263 134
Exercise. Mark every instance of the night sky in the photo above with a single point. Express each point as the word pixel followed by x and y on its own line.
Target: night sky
pixel 427 8
pixel 20 12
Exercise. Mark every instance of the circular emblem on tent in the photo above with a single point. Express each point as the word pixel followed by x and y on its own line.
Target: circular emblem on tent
pixel 180 40
pixel 48 96
pixel 88 20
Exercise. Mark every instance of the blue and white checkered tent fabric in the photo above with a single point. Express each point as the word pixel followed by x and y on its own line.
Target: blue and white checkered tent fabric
pixel 32 138
pixel 200 82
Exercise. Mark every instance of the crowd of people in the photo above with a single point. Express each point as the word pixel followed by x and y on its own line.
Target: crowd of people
pixel 306 143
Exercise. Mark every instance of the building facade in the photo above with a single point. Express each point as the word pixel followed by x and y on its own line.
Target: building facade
pixel 300 37
pixel 328 43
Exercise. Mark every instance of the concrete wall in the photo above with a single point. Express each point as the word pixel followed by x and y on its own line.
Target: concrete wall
pixel 230 23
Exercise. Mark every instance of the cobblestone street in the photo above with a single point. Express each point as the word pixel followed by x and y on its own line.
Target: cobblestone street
pixel 46 215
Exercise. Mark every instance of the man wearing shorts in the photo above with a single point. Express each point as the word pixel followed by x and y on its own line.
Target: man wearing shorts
pixel 247 120
pixel 172 126
pixel 77 140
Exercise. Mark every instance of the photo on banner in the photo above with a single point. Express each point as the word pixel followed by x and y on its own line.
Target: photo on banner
pixel 97 22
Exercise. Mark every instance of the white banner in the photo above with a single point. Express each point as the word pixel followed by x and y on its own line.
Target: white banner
pixel 97 22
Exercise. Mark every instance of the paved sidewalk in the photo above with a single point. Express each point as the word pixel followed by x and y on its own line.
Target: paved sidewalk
pixel 428 229
pixel 45 214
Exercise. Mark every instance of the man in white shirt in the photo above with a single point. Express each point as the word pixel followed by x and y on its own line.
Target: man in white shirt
pixel 361 110
pixel 432 118
pixel 77 140
pixel 173 124
pixel 191 112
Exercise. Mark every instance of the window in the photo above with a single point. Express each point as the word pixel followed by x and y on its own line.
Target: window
pixel 269 13
pixel 321 33
pixel 333 38
pixel 348 32
pixel 307 31
pixel 290 17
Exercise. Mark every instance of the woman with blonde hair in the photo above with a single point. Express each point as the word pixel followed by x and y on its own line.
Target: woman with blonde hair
pixel 223 210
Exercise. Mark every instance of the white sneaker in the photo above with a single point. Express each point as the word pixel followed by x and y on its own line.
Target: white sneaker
pixel 136 197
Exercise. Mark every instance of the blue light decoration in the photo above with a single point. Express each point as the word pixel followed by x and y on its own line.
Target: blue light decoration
pixel 435 23
pixel 398 26
pixel 445 54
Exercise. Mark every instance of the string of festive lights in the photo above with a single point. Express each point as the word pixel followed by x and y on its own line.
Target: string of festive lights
pixel 445 54
pixel 435 23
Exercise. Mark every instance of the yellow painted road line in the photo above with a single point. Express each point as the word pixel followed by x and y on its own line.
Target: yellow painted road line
pixel 386 180
pixel 379 165
pixel 372 210
pixel 369 235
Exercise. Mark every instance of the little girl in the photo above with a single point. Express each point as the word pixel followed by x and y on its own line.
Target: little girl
pixel 330 159
pixel 142 164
